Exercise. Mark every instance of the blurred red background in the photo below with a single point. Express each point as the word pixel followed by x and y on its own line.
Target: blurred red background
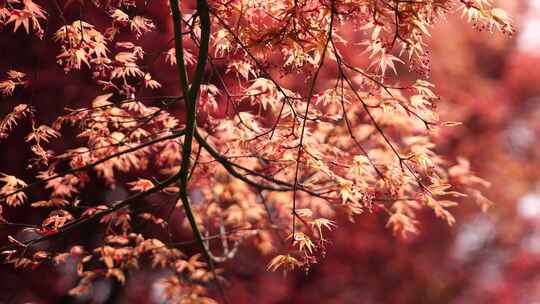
pixel 487 81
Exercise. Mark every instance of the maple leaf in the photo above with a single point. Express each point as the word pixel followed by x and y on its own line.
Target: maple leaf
pixel 264 92
pixel 12 74
pixel 20 18
pixel 151 83
pixel 141 25
pixel 7 87
pixel 385 61
pixel 12 187
pixel 286 262
pixel 321 223
pixel 141 185
pixel 56 219
pixel 303 242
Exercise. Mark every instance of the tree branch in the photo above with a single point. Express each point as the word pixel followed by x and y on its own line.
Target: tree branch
pixel 191 114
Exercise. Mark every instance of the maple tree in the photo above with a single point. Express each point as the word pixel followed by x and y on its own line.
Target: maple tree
pixel 272 134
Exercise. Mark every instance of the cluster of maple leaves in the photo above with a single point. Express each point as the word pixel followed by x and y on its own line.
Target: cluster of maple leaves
pixel 271 166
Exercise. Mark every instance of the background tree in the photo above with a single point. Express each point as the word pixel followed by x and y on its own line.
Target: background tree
pixel 273 133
